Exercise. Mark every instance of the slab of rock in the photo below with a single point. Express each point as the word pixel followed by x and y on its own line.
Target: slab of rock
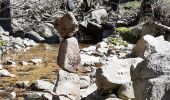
pixel 114 73
pixel 151 78
pixel 68 85
pixel 126 91
pixel 42 85
pixel 66 25
pixel 68 55
pixel 148 45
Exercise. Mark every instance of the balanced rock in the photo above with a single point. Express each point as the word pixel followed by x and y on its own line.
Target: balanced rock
pixel 69 56
pixel 66 25
pixel 67 86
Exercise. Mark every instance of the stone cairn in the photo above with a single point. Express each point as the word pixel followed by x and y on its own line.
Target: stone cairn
pixel 68 82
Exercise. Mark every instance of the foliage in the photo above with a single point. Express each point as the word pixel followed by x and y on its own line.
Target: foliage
pixel 2 42
pixel 117 41
pixel 132 5
pixel 122 30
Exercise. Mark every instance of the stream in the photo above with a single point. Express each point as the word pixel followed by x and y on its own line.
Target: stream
pixel 47 70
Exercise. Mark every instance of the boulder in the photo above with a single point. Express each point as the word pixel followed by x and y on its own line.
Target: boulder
pixel 42 85
pixel 67 85
pixel 34 36
pixel 114 73
pixel 151 77
pixel 68 55
pixel 66 25
pixel 99 15
pixel 48 32
pixel 148 45
pixel 126 91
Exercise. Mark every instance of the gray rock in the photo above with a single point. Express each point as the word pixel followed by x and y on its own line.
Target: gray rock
pixel 68 55
pixel 36 61
pixel 68 84
pixel 35 36
pixel 84 81
pixel 89 60
pixel 71 4
pixel 151 77
pixel 42 85
pixel 4 38
pixel 92 88
pixel 66 25
pixel 114 73
pixel 22 84
pixel 5 73
pixel 32 96
pixel 99 15
pixel 126 91
pixel 149 45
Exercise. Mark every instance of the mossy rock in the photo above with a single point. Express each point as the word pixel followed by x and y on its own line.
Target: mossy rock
pixel 3 43
pixel 117 41
pixel 122 30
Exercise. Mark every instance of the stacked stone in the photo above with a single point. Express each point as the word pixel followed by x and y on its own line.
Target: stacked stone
pixel 68 58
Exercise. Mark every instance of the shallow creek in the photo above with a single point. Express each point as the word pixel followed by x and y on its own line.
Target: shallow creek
pixel 46 71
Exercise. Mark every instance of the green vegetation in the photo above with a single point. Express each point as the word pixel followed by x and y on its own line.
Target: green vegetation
pixel 2 42
pixel 132 5
pixel 122 30
pixel 117 41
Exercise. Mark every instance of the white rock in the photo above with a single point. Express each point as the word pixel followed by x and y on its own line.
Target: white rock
pixel 151 78
pixel 90 48
pixel 126 91
pixel 99 15
pixel 149 45
pixel 90 60
pixel 68 84
pixel 89 90
pixel 13 95
pixel 4 72
pixel 42 85
pixel 36 61
pixel 84 82
pixel 114 73
pixel 101 45
pixel 24 63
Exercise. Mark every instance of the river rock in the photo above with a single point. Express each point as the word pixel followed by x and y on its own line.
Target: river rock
pixel 84 81
pixel 99 15
pixel 32 96
pixel 68 84
pixel 35 36
pixel 89 60
pixel 68 55
pixel 114 73
pixel 36 61
pixel 126 91
pixel 66 25
pixel 22 84
pixel 5 73
pixel 151 77
pixel 42 85
pixel 148 45
pixel 92 88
